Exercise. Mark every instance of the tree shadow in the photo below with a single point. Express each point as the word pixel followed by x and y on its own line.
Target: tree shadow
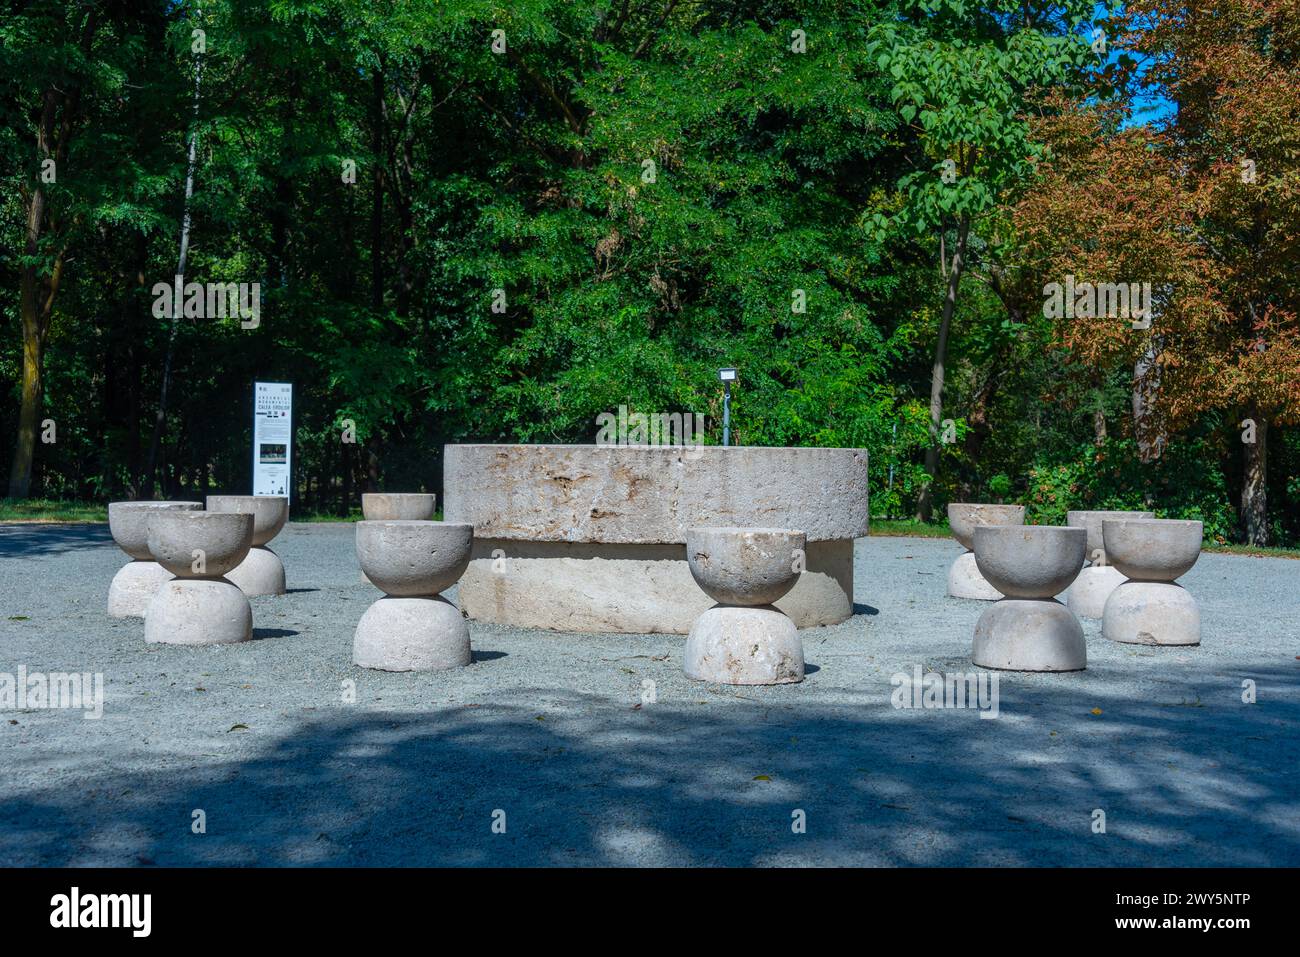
pixel 21 540
pixel 582 779
pixel 261 634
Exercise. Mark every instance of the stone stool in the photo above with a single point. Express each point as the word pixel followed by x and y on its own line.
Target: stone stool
pixel 1087 596
pixel 138 580
pixel 964 578
pixel 262 572
pixel 744 639
pixel 397 506
pixel 1029 630
pixel 412 628
pixel 199 606
pixel 1150 608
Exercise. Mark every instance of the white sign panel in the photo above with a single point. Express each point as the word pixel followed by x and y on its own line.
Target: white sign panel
pixel 272 437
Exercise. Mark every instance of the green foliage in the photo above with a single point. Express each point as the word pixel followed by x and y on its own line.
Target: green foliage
pixel 790 229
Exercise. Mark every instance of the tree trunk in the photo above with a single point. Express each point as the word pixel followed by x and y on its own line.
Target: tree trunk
pixel 36 296
pixel 377 209
pixel 33 322
pixel 1254 483
pixel 1147 428
pixel 20 474
pixel 182 260
pixel 925 501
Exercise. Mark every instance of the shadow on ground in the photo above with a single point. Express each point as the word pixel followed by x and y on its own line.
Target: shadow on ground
pixel 587 780
pixel 27 540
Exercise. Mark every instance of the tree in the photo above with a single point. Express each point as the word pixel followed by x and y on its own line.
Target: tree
pixel 962 77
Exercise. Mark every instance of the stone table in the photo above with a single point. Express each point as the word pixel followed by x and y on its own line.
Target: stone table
pixel 590 538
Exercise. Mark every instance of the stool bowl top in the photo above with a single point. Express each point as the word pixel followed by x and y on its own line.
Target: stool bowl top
pixel 1152 549
pixel 1091 520
pixel 128 523
pixel 398 506
pixel 269 512
pixel 1030 561
pixel 412 559
pixel 745 566
pixel 965 517
pixel 200 544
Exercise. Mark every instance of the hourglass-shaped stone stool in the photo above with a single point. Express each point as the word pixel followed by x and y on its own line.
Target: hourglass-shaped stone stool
pixel 1087 596
pixel 397 507
pixel 1029 630
pixel 262 572
pixel 964 578
pixel 138 580
pixel 744 639
pixel 199 606
pixel 1150 608
pixel 412 628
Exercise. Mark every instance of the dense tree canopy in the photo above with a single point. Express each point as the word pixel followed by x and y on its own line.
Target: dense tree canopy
pixel 485 221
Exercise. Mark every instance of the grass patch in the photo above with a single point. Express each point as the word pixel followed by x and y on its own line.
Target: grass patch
pixel 909 527
pixel 1256 551
pixel 353 516
pixel 49 510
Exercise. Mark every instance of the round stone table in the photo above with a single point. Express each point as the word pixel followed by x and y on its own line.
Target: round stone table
pixel 592 538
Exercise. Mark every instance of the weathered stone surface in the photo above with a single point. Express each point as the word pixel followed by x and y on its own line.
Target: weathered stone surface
pixel 744 646
pixel 631 589
pixel 398 506
pixel 965 517
pixel 261 573
pixel 223 538
pixel 965 580
pixel 1155 549
pixel 1028 634
pixel 411 634
pixel 1151 613
pixel 745 566
pixel 199 611
pixel 128 523
pixel 269 512
pixel 652 495
pixel 1029 561
pixel 598 523
pixel 1087 596
pixel 408 559
pixel 1091 520
pixel 133 588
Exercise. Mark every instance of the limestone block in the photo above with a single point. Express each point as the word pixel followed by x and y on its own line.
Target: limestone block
pixel 198 611
pixel 754 645
pixel 411 634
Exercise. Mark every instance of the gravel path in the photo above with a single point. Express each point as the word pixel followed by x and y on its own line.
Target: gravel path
pixel 548 731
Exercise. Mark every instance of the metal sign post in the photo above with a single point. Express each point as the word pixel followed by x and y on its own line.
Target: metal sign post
pixel 727 376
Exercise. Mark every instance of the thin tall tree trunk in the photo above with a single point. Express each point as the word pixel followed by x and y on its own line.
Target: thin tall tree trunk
pixel 1099 425
pixel 1254 483
pixel 36 295
pixel 20 473
pixel 377 210
pixel 925 501
pixel 33 316
pixel 1148 431
pixel 182 261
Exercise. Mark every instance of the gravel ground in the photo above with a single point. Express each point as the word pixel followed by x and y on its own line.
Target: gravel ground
pixel 547 731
